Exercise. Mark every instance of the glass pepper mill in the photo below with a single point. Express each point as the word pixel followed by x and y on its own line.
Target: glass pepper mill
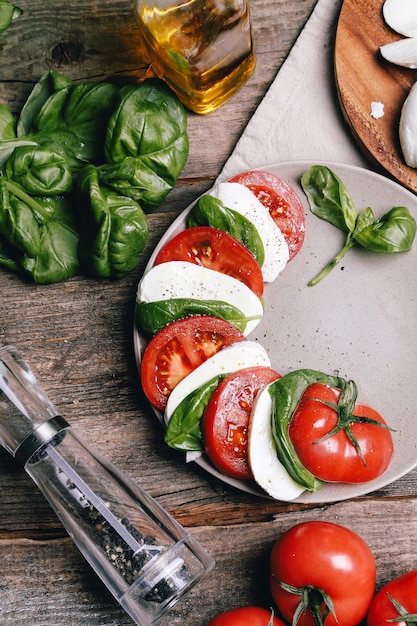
pixel 203 49
pixel 144 557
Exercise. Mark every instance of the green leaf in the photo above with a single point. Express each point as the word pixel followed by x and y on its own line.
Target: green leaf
pixel 393 232
pixel 57 258
pixel 153 316
pixel 328 197
pixel 183 431
pixel 146 142
pixel 38 170
pixel 210 211
pixel 8 13
pixel 113 228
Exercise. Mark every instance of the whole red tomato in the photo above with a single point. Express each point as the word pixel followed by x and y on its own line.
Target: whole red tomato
pixel 357 450
pixel 246 616
pixel 394 600
pixel 322 574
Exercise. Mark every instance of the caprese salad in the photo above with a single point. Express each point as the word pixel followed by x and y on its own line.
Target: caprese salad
pixel 216 390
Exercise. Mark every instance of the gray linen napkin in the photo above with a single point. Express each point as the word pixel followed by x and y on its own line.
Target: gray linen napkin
pixel 300 117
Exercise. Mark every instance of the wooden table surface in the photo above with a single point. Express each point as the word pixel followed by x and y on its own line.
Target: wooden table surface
pixel 77 336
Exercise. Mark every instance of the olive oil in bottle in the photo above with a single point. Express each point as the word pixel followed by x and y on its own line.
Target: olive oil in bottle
pixel 203 49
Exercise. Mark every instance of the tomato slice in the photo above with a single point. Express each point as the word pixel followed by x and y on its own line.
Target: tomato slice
pixel 216 250
pixel 225 422
pixel 178 349
pixel 285 207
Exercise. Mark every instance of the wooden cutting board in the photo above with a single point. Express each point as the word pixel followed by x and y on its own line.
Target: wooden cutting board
pixel 363 77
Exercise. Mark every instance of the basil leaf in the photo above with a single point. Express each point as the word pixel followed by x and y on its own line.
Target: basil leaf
pixel 8 13
pixel 328 197
pixel 39 171
pixel 47 85
pixel 183 431
pixel 286 393
pixel 146 143
pixel 113 228
pixel 393 232
pixel 210 211
pixel 57 258
pixel 153 316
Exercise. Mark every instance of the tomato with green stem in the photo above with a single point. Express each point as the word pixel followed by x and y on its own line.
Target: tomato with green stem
pixel 246 616
pixel 338 440
pixel 396 602
pixel 322 574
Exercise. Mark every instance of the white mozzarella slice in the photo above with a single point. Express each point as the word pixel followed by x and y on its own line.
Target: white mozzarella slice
pixel 408 128
pixel 402 52
pixel 401 16
pixel 181 279
pixel 239 198
pixel 230 359
pixel 268 471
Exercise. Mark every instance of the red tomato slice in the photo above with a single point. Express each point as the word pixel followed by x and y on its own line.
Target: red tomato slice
pixel 335 459
pixel 285 207
pixel 216 250
pixel 178 349
pixel 225 422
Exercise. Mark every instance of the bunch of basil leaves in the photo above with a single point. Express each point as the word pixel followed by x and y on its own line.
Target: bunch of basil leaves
pixel 79 169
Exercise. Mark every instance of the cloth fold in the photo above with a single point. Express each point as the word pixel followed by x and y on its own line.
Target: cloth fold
pixel 300 117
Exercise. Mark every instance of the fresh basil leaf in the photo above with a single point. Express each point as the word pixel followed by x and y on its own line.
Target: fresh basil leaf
pixel 153 316
pixel 8 13
pixel 146 142
pixel 113 228
pixel 39 171
pixel 286 393
pixel 57 258
pixel 183 431
pixel 210 211
pixel 7 123
pixel 48 84
pixel 328 197
pixel 393 232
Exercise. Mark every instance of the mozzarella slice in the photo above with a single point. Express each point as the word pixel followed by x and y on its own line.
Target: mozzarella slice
pixel 402 52
pixel 401 16
pixel 408 128
pixel 181 279
pixel 239 198
pixel 268 471
pixel 230 359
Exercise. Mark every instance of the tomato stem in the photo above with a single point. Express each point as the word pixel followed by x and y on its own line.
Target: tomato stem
pixel 314 599
pixel 345 417
pixel 403 616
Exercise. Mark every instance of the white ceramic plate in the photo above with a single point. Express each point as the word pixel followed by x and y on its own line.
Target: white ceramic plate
pixel 360 322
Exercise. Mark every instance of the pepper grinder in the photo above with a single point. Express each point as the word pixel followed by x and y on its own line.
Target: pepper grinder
pixel 144 557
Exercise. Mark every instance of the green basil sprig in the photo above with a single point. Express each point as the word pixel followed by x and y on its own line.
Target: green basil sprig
pixel 153 316
pixel 183 431
pixel 329 199
pixel 210 211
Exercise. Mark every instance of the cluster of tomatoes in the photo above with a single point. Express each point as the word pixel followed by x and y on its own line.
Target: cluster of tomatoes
pixel 324 574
